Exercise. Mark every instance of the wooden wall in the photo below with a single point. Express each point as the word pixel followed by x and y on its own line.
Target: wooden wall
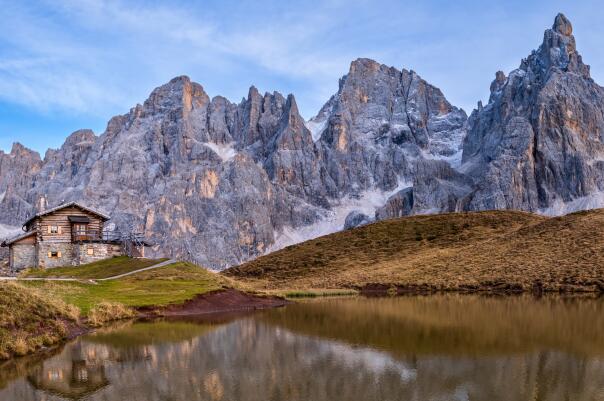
pixel 31 240
pixel 60 218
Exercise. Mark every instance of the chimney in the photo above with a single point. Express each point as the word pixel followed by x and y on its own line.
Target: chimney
pixel 41 204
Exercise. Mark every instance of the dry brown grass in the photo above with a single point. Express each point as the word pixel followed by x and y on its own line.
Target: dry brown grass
pixel 108 311
pixel 456 251
pixel 30 319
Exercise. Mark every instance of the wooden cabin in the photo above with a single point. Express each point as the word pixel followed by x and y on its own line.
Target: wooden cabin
pixel 69 234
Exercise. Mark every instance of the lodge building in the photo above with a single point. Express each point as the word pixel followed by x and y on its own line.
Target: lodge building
pixel 67 235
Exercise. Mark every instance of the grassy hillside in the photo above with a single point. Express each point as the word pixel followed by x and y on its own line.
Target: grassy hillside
pixel 496 250
pixel 101 269
pixel 174 283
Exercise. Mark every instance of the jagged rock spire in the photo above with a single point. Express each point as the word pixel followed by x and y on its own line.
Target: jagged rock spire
pixel 539 141
pixel 562 25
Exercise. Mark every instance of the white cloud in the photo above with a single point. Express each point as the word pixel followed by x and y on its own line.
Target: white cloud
pixel 102 57
pixel 95 57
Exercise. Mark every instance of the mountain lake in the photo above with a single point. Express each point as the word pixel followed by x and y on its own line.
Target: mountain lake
pixel 437 347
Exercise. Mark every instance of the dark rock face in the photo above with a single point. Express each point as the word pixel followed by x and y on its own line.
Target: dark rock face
pixel 398 205
pixel 539 141
pixel 356 219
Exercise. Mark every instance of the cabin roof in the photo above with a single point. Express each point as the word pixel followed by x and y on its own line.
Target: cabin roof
pixel 63 206
pixel 17 238
pixel 78 219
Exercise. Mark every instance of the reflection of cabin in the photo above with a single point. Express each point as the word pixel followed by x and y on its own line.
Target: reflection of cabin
pixel 70 234
pixel 72 375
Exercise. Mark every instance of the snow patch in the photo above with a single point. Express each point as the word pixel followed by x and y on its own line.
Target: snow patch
pixel 559 207
pixel 453 159
pixel 226 151
pixel 316 128
pixel 367 202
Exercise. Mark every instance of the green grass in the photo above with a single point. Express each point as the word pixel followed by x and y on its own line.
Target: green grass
pixel 171 284
pixel 101 269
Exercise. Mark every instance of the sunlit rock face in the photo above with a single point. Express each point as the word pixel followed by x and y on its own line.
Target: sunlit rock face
pixel 537 144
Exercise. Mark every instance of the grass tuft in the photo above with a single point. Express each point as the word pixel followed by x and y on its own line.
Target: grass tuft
pixel 108 311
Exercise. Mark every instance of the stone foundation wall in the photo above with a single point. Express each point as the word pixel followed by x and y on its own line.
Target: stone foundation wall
pixel 99 252
pixel 65 257
pixel 68 254
pixel 23 256
pixel 4 260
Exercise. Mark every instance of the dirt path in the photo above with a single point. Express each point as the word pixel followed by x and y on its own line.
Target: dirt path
pixel 162 264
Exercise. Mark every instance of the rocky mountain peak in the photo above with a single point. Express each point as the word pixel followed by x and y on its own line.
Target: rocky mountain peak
pixel 538 143
pixel 82 136
pixel 178 94
pixel 558 51
pixel 363 66
pixel 499 81
pixel 291 107
pixel 562 25
pixel 20 151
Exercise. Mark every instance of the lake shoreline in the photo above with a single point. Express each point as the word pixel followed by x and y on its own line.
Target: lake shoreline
pixel 491 288
pixel 217 302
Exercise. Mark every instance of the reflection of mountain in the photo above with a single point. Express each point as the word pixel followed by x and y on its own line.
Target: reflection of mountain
pixel 453 324
pixel 254 359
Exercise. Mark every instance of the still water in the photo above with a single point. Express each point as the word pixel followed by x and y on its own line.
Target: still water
pixel 448 347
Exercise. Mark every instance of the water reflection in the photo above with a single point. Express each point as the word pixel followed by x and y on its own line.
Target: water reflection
pixel 430 348
pixel 78 372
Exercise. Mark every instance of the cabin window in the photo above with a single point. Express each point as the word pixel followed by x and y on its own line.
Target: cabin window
pixel 54 254
pixel 90 251
pixel 54 229
pixel 80 229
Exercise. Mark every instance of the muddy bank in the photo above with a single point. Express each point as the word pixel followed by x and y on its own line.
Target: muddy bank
pixel 220 301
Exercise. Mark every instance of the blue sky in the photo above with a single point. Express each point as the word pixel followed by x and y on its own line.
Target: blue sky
pixel 66 65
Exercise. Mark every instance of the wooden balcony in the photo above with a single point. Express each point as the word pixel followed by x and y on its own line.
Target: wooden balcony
pixel 94 236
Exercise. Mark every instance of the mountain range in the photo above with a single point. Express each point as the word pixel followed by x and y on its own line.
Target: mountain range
pixel 220 183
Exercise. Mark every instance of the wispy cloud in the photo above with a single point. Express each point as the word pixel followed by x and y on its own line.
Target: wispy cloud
pixel 99 58
pixel 91 57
